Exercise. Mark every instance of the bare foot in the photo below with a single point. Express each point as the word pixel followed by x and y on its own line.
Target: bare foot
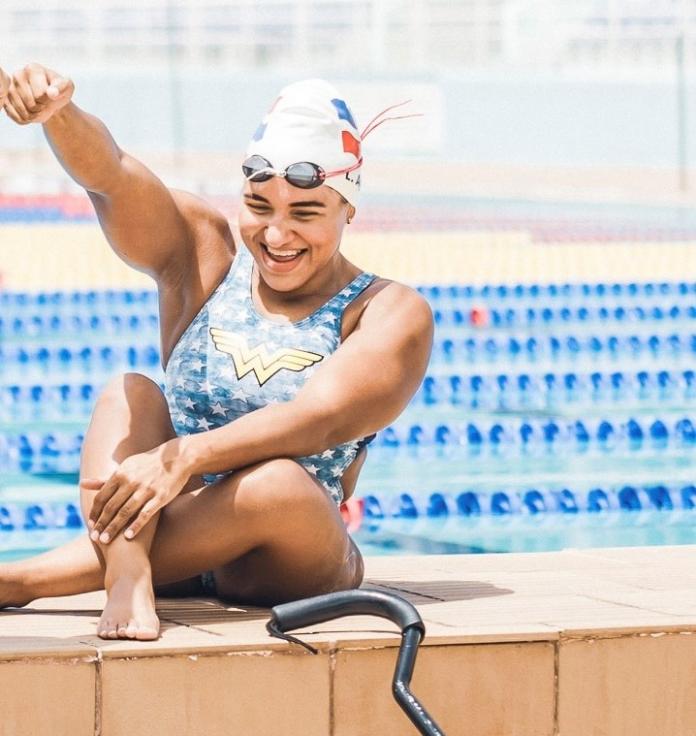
pixel 130 609
pixel 12 590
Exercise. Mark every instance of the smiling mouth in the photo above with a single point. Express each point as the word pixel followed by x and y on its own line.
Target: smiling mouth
pixel 283 258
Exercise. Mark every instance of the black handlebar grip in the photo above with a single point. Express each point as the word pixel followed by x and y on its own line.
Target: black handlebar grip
pixel 320 608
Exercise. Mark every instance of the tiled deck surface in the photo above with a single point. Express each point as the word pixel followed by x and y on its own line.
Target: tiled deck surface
pixel 575 643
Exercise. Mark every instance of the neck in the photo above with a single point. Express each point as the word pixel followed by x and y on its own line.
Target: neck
pixel 320 287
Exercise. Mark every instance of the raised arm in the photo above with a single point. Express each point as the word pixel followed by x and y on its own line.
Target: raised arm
pixel 142 219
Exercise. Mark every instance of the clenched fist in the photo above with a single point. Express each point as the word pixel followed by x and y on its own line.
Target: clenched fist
pixel 4 87
pixel 34 94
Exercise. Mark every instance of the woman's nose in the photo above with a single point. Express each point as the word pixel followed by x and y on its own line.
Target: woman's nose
pixel 277 234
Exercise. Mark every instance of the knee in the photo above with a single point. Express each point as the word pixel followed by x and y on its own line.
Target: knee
pixel 130 388
pixel 278 484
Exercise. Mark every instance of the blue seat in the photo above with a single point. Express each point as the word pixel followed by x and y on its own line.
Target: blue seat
pixel 473 434
pixel 372 508
pixel 405 507
pixel 468 504
pixel 437 506
pixel 597 500
pixel 658 431
pixel 566 502
pixel 688 497
pixel 659 497
pixel 534 502
pixel 628 499
pixel 500 504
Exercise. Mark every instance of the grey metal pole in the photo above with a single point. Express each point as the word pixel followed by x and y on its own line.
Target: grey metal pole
pixel 682 141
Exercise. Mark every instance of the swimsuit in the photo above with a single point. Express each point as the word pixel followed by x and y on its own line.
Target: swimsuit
pixel 232 360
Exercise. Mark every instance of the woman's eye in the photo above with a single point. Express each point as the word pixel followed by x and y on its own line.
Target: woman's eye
pixel 258 210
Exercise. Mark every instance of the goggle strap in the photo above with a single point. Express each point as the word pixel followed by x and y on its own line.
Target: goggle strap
pixel 393 117
pixel 374 124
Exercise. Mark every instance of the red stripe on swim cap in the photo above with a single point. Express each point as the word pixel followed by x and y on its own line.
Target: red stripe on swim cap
pixel 350 143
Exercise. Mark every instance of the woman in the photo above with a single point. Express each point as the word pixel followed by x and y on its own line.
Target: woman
pixel 282 359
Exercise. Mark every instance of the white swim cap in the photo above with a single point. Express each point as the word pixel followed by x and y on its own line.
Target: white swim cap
pixel 310 121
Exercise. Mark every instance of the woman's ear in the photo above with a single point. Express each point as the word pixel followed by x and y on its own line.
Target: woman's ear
pixel 350 214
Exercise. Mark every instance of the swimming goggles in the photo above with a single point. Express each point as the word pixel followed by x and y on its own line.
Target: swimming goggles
pixel 302 174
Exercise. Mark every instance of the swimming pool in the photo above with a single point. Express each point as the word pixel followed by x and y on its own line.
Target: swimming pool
pixel 551 415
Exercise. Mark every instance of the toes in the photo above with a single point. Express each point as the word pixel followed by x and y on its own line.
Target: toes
pixel 147 633
pixel 105 628
pixel 132 629
pixel 121 631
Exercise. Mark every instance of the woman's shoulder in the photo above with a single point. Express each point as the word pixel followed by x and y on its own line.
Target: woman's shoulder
pixel 396 297
pixel 385 301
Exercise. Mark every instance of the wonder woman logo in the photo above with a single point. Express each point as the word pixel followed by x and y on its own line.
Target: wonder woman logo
pixel 258 359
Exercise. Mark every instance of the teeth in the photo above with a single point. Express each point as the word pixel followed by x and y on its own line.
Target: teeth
pixel 282 252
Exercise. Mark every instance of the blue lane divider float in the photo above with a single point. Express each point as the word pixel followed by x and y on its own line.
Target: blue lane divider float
pixel 596 386
pixel 463 317
pixel 659 431
pixel 79 298
pixel 554 347
pixel 436 504
pixel 59 452
pixel 50 401
pixel 530 502
pixel 67 360
pixel 38 326
pixel 563 291
pixel 30 516
pixel 89 358
pixel 17 323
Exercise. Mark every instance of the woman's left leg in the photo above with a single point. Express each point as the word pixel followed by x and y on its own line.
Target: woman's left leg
pixel 269 532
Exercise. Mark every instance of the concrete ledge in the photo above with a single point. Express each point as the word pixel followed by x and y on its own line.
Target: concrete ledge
pixel 572 643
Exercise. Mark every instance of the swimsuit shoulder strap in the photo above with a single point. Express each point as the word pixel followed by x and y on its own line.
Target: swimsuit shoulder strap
pixel 348 293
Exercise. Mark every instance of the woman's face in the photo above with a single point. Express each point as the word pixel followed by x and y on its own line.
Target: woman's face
pixel 277 219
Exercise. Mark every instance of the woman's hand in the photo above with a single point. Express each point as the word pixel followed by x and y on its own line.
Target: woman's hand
pixel 137 489
pixel 35 93
pixel 4 87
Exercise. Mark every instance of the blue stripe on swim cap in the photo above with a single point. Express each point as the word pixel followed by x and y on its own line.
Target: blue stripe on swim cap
pixel 258 135
pixel 343 111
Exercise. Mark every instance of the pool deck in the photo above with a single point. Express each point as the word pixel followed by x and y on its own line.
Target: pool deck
pixel 576 643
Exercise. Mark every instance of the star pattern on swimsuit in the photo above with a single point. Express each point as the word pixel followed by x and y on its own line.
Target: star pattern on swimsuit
pixel 203 423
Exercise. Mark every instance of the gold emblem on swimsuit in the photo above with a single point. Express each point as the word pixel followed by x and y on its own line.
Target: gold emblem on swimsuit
pixel 260 360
